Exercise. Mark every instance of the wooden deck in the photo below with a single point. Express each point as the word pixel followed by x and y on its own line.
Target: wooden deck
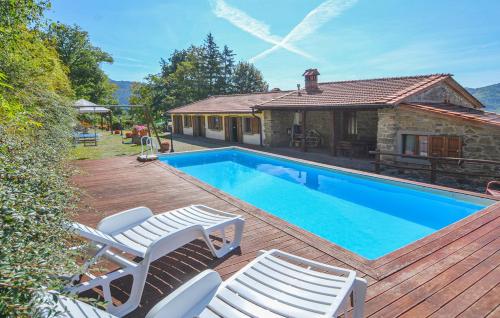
pixel 454 273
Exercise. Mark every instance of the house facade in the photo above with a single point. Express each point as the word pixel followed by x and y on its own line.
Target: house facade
pixel 429 115
pixel 224 117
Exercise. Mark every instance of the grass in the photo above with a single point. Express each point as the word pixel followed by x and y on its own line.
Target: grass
pixel 107 146
pixel 111 146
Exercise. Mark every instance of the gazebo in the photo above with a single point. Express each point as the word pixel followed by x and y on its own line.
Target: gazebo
pixel 86 107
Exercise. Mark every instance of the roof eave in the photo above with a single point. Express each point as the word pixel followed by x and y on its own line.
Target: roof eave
pixel 322 106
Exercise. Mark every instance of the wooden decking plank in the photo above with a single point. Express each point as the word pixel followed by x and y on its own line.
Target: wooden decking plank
pixel 435 245
pixel 485 305
pixel 417 289
pixel 469 296
pixel 433 302
pixel 429 260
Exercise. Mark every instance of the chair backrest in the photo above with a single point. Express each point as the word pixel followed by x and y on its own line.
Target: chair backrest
pixel 102 238
pixel 124 220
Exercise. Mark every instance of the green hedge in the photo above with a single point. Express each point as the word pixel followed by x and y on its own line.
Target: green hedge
pixel 35 203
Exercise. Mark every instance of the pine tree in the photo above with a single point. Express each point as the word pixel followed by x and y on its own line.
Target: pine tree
pixel 225 85
pixel 211 64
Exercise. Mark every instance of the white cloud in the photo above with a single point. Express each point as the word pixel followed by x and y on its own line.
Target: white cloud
pixel 248 24
pixel 310 24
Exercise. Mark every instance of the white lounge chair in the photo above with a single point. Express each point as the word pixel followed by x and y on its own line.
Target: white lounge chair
pixel 275 284
pixel 140 233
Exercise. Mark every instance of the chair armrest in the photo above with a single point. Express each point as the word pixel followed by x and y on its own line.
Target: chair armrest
pixel 311 263
pixel 189 299
pixel 173 240
pixel 124 220
pixel 492 183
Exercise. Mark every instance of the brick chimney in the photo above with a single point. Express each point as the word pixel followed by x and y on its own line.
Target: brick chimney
pixel 311 78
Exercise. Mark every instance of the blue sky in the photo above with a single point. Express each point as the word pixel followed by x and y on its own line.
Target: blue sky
pixel 344 39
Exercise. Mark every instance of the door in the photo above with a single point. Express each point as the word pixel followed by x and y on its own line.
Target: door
pixel 239 129
pixel 234 130
pixel 199 126
pixel 227 129
pixel 202 126
pixel 178 124
pixel 196 127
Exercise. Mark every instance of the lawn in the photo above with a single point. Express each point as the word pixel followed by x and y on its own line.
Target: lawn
pixel 112 146
pixel 107 146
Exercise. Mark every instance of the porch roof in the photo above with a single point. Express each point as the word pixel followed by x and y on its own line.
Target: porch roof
pixel 227 104
pixel 356 93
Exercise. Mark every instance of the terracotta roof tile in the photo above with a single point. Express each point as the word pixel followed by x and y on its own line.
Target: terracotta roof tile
pixel 459 112
pixel 381 91
pixel 236 103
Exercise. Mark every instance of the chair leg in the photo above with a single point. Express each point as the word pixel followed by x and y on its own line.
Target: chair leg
pixel 139 274
pixel 227 247
pixel 359 293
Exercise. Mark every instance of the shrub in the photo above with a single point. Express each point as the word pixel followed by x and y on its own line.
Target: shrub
pixel 35 202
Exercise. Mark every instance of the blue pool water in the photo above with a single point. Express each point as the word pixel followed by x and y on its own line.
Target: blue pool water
pixel 369 216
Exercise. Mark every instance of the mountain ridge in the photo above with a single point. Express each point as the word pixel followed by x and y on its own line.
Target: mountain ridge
pixel 488 95
pixel 123 92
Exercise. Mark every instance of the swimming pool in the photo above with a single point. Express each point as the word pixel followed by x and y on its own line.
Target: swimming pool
pixel 366 215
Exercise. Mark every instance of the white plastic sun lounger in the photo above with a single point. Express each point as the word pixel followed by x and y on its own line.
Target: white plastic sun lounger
pixel 142 234
pixel 275 284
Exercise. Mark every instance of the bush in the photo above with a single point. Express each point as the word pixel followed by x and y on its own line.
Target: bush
pixel 35 202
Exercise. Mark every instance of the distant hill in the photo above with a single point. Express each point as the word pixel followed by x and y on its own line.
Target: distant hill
pixel 489 96
pixel 123 92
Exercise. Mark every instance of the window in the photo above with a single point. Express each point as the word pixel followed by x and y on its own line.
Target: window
pixel 250 125
pixel 415 145
pixel 188 121
pixel 436 146
pixel 215 122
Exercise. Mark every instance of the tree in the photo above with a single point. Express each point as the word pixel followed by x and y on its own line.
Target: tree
pixel 211 65
pixel 195 73
pixel 225 84
pixel 26 12
pixel 248 79
pixel 35 129
pixel 83 61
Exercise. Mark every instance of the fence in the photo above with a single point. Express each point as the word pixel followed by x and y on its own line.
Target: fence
pixel 431 164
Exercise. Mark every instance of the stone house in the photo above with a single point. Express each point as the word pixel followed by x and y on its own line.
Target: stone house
pixel 428 115
pixel 223 117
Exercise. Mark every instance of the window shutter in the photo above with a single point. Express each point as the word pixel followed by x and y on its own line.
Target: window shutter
pixel 255 126
pixel 437 146
pixel 454 146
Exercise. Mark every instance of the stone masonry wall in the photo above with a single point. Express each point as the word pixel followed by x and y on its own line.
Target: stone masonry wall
pixel 321 121
pixel 276 123
pixel 441 93
pixel 479 141
pixel 367 125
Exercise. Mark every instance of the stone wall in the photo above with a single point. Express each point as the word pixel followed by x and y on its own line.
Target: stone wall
pixel 276 123
pixel 367 125
pixel 441 93
pixel 479 141
pixel 321 121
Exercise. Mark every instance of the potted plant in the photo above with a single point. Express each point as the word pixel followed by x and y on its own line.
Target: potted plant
pixel 138 131
pixel 164 146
